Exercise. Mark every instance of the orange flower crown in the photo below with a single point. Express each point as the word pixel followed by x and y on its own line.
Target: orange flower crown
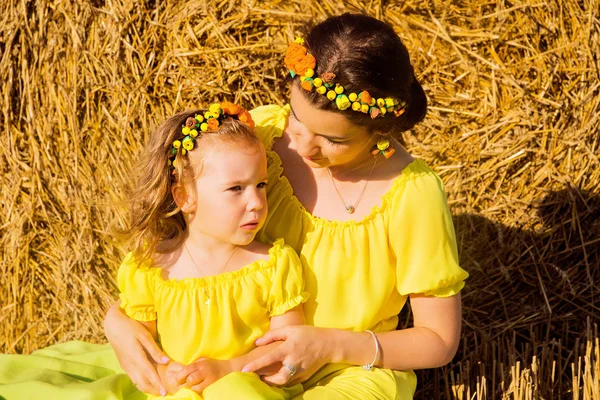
pixel 209 121
pixel 300 62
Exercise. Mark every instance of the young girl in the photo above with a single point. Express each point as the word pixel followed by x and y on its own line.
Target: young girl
pixel 196 278
pixel 370 222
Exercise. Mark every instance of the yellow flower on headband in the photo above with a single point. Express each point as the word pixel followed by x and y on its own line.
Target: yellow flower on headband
pixel 299 61
pixel 215 109
pixel 342 102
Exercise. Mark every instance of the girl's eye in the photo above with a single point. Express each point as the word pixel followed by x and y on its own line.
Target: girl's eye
pixel 262 185
pixel 235 188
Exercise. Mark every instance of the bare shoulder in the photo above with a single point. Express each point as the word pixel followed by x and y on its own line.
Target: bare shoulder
pixel 395 165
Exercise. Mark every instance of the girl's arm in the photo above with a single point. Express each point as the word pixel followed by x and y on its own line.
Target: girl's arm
pixel 203 372
pixel 295 316
pixel 432 342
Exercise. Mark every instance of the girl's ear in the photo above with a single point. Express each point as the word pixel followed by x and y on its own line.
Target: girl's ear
pixel 183 198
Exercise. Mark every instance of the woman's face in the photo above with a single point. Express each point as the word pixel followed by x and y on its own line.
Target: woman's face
pixel 324 138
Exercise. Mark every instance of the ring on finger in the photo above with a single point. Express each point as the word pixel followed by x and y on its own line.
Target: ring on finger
pixel 291 368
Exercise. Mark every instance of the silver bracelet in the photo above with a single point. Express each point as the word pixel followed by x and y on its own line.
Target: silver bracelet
pixel 369 366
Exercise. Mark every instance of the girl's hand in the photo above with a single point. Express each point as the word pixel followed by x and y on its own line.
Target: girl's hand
pixel 305 347
pixel 168 376
pixel 202 372
pixel 133 344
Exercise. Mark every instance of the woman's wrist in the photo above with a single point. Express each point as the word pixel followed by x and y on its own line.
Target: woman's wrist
pixel 351 347
pixel 335 347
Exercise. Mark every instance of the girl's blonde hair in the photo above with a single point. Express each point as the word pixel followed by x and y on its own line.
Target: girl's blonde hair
pixel 153 217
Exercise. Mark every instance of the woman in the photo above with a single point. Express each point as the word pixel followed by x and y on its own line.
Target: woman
pixel 370 223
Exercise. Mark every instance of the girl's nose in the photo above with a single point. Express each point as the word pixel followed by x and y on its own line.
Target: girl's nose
pixel 257 200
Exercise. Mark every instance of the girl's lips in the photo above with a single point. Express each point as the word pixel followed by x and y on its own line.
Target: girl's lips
pixel 251 226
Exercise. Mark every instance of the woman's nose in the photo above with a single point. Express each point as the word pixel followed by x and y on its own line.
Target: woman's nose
pixel 306 145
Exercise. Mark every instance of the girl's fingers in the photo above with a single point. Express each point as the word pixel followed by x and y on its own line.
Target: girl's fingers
pixel 184 373
pixel 280 378
pixel 200 387
pixel 194 379
pixel 264 361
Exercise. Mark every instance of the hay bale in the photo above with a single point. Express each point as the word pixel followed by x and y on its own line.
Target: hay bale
pixel 512 129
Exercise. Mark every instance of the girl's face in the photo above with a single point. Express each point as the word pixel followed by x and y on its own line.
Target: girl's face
pixel 324 138
pixel 230 204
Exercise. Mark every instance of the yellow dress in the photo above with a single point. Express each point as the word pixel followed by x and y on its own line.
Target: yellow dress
pixel 359 274
pixel 218 316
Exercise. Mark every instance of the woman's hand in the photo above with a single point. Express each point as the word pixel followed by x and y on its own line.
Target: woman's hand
pixel 202 372
pixel 304 347
pixel 133 344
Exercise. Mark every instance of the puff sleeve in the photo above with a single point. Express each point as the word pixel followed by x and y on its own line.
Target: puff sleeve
pixel 423 240
pixel 137 291
pixel 287 282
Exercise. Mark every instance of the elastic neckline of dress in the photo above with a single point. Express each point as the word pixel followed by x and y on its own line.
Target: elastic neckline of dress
pixel 229 276
pixel 414 169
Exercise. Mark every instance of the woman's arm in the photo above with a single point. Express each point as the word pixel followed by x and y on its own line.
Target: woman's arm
pixel 132 344
pixel 432 342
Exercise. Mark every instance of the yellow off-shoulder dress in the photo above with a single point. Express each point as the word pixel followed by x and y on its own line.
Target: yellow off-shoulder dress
pixel 217 316
pixel 359 274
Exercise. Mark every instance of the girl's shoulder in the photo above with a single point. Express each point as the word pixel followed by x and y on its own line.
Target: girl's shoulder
pixel 270 122
pixel 273 253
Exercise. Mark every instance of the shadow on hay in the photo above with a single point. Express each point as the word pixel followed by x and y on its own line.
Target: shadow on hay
pixel 530 293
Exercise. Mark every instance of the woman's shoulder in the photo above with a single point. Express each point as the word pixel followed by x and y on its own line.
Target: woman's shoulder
pixel 270 122
pixel 417 184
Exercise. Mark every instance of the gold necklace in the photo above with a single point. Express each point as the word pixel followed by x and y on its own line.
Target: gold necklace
pixel 200 269
pixel 352 207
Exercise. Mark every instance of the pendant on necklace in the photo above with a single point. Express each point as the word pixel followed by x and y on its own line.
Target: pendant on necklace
pixel 350 209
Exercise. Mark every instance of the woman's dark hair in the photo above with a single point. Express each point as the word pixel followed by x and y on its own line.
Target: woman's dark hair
pixel 366 54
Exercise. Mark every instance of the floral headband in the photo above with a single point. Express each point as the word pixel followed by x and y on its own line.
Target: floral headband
pixel 300 62
pixel 209 121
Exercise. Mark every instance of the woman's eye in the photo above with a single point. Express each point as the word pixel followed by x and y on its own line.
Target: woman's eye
pixel 334 143
pixel 262 185
pixel 235 188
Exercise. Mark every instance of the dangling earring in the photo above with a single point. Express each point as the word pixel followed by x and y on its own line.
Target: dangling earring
pixel 383 147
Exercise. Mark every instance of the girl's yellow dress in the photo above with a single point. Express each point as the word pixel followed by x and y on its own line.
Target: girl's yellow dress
pixel 218 316
pixel 359 274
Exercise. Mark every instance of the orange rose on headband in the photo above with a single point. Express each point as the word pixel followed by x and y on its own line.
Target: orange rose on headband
pixel 365 97
pixel 213 124
pixel 293 53
pixel 295 50
pixel 298 60
pixel 235 110
pixel 304 63
pixel 231 108
pixel 246 118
